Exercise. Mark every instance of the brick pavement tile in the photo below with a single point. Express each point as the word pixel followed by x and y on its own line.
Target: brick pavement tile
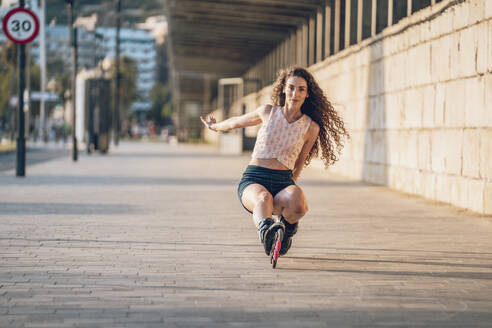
pixel 152 235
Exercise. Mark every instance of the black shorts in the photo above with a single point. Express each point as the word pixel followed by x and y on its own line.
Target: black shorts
pixel 273 180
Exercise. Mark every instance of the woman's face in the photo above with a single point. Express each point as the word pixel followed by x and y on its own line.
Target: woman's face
pixel 296 91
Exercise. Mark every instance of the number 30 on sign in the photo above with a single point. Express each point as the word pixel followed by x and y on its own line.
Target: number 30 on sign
pixel 21 25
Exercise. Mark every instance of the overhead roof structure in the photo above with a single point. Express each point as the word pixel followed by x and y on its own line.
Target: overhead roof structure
pixel 226 37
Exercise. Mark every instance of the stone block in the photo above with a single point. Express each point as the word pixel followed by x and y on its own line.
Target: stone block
pixel 440 104
pixel 358 120
pixel 374 173
pixel 423 64
pixel 440 59
pixel 376 78
pixel 488 9
pixel 356 149
pixel 389 74
pixel 398 70
pixel 447 148
pixel 443 188
pixel 392 147
pixel 488 99
pixel 487 199
pixel 427 185
pixel 411 68
pixel 408 149
pixel 460 15
pixel 473 195
pixel 486 153
pixel 424 150
pixel 441 25
pixel 463 48
pixel 389 46
pixel 414 102
pixel 476 11
pixel 395 102
pixel 471 153
pixel 343 93
pixel 454 115
pixel 475 109
pixel 452 189
pixel 489 47
pixel 362 81
pixel 377 51
pixel 483 37
pixel 429 95
pixel 414 35
pixel 425 31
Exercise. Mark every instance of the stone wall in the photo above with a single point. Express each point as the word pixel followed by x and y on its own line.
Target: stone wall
pixel 417 100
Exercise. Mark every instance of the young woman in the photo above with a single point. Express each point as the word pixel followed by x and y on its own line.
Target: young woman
pixel 299 123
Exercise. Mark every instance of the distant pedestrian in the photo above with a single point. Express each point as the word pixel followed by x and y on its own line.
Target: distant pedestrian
pixel 299 124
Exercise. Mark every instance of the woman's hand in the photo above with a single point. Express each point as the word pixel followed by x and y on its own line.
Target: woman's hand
pixel 209 122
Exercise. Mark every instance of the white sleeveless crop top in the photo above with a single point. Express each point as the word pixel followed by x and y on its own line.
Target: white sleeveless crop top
pixel 279 139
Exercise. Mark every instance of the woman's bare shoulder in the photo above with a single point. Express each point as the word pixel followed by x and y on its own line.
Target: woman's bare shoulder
pixel 264 111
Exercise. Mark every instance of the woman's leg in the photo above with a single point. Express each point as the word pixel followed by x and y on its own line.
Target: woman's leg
pixel 258 200
pixel 291 203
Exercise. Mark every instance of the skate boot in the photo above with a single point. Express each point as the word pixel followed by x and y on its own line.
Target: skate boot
pixel 290 231
pixel 266 232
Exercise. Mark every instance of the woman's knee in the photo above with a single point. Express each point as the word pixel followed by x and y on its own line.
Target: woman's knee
pixel 297 205
pixel 299 208
pixel 264 197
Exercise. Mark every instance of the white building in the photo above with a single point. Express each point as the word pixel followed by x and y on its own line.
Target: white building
pixel 140 46
pixel 58 47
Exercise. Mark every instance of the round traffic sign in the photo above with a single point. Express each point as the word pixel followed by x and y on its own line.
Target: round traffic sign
pixel 21 25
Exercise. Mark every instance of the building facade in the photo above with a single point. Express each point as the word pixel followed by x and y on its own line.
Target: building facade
pixel 140 46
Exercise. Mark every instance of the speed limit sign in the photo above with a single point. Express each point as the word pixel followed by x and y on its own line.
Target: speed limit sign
pixel 21 25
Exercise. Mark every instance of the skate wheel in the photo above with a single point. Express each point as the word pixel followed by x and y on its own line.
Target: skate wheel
pixel 276 254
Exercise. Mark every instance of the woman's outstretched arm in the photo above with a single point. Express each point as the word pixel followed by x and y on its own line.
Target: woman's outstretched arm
pixel 235 122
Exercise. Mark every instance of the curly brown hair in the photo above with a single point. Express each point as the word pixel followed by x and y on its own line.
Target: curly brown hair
pixel 320 110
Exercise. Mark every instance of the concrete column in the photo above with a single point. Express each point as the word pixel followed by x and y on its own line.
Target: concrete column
pixel 373 17
pixel 390 12
pixel 319 35
pixel 305 44
pixel 409 7
pixel 347 23
pixel 299 46
pixel 327 29
pixel 293 44
pixel 336 45
pixel 312 40
pixel 359 19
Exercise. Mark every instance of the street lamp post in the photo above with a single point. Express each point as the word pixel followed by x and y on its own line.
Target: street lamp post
pixel 73 39
pixel 21 141
pixel 116 113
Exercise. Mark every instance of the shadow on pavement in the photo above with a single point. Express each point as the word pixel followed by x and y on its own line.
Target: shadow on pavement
pixel 176 155
pixel 84 180
pixel 446 274
pixel 26 208
pixel 8 161
pixel 381 261
pixel 125 312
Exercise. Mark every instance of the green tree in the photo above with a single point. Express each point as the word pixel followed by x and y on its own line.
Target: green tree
pixel 161 110
pixel 128 83
pixel 8 82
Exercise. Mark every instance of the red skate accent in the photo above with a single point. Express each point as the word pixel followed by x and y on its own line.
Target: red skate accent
pixel 276 252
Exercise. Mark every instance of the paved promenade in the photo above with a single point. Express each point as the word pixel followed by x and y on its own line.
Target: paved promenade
pixel 152 235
